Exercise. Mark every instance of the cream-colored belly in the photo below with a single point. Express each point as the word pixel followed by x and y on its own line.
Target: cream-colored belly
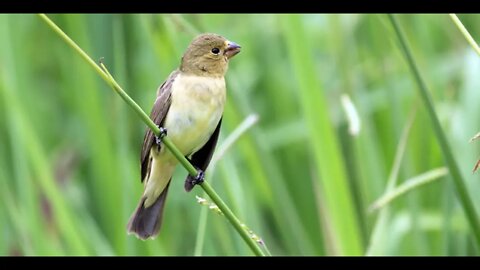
pixel 196 108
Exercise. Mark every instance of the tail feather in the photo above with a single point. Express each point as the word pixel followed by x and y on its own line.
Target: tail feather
pixel 146 222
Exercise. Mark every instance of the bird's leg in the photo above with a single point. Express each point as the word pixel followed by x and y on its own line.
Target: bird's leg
pixel 163 133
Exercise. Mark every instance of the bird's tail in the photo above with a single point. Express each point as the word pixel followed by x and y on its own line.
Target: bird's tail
pixel 146 221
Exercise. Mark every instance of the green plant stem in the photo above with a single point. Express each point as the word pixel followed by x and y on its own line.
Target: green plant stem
pixel 232 218
pixel 407 186
pixel 460 186
pixel 168 143
pixel 219 152
pixel 465 33
pixel 380 226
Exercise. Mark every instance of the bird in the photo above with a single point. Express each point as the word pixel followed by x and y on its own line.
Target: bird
pixel 188 109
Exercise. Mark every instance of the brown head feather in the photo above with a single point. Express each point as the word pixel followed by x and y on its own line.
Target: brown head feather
pixel 206 56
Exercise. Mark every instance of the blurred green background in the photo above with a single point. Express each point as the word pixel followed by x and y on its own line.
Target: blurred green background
pixel 299 178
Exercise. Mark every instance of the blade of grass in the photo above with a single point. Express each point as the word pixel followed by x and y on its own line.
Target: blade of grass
pixel 103 181
pixel 476 48
pixel 460 186
pixel 13 77
pixel 377 242
pixel 122 134
pixel 269 183
pixel 407 186
pixel 331 167
pixel 465 33
pixel 36 159
pixel 16 217
pixel 61 209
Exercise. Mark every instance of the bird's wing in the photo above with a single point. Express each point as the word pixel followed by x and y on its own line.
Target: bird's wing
pixel 158 114
pixel 202 157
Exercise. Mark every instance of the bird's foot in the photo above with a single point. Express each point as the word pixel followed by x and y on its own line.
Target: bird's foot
pixel 191 181
pixel 199 178
pixel 163 133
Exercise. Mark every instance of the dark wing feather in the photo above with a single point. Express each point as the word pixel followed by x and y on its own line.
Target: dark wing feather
pixel 202 157
pixel 158 114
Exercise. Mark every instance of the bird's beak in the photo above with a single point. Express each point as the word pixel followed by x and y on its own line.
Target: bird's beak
pixel 232 49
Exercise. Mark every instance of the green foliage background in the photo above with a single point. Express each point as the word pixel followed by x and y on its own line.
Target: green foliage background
pixel 69 152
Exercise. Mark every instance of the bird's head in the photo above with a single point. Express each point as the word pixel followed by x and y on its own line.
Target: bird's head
pixel 208 55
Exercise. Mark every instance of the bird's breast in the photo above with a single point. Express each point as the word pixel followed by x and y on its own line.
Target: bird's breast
pixel 196 108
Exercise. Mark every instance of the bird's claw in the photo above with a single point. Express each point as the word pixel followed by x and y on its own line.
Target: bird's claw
pixel 199 178
pixel 163 133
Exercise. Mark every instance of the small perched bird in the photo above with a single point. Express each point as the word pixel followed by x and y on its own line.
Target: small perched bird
pixel 189 106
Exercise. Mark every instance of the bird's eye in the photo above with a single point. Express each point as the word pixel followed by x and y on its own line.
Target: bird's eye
pixel 215 50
